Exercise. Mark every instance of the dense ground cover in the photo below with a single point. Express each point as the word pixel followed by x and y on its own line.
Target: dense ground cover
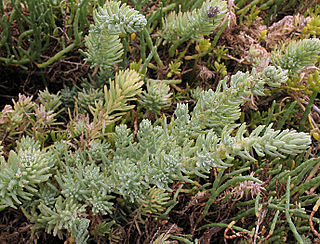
pixel 159 121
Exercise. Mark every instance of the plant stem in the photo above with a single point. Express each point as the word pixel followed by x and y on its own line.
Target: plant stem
pixel 307 110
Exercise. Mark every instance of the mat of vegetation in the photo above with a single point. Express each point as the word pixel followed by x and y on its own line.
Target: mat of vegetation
pixel 172 121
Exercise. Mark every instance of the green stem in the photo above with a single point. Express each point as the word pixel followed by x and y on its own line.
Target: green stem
pixel 148 59
pixel 240 3
pixel 247 7
pixel 306 167
pixel 58 55
pixel 159 13
pixel 292 211
pixel 215 39
pixel 180 239
pixel 274 221
pixel 236 172
pixel 168 82
pixel 245 213
pixel 77 40
pixel 21 37
pixel 150 45
pixel 224 226
pixel 257 205
pixel 183 53
pixel 307 110
pixel 266 5
pixel 305 186
pixel 270 115
pixel 196 4
pixel 286 115
pixel 291 224
pixel 216 192
pixel 8 61
pixel 176 44
pixel 189 4
pixel 142 47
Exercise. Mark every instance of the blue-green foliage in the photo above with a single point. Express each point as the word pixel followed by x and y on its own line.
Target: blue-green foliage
pixel 189 146
pixel 104 51
pixel 192 143
pixel 156 97
pixel 195 23
pixel 26 168
pixel 136 167
pixel 297 54
pixel 85 183
pixel 117 18
pixel 220 108
pixel 103 42
pixel 90 172
pixel 63 216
